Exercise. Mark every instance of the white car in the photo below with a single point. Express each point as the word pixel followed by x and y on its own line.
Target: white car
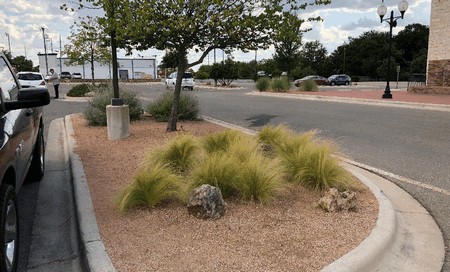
pixel 187 83
pixel 31 80
pixel 76 76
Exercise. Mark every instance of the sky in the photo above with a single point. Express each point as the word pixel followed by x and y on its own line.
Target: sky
pixel 22 21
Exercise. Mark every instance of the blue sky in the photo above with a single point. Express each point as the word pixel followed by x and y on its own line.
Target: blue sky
pixel 22 20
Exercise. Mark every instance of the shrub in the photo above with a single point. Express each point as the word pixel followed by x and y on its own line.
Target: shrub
pixel 161 109
pixel 179 154
pixel 95 113
pixel 309 86
pixel 79 90
pixel 280 85
pixel 263 84
pixel 201 75
pixel 151 187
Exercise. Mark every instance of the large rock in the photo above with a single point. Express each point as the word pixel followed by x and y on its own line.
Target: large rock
pixel 206 202
pixel 335 201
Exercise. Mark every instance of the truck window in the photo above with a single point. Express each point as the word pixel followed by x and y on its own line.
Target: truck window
pixel 8 85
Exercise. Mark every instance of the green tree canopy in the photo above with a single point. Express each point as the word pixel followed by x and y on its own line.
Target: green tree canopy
pixel 288 41
pixel 202 26
pixel 87 45
pixel 313 55
pixel 224 72
pixel 22 64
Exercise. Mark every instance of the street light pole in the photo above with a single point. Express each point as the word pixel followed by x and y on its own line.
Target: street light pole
pixel 392 21
pixel 9 42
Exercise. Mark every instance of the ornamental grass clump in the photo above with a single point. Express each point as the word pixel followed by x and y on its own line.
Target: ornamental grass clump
pixel 322 171
pixel 179 154
pixel 309 86
pixel 220 141
pixel 271 137
pixel 260 179
pixel 280 85
pixel 151 186
pixel 263 84
pixel 293 155
pixel 218 169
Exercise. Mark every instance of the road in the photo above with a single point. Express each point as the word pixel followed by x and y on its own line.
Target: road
pixel 410 143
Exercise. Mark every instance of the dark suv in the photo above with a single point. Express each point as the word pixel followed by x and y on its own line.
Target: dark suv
pixel 339 80
pixel 21 153
pixel 65 75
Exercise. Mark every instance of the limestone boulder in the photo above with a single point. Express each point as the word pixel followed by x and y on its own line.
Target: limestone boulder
pixel 206 202
pixel 335 201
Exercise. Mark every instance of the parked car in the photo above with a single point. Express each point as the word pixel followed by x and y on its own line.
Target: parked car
pixel 31 80
pixel 21 153
pixel 340 80
pixel 76 76
pixel 65 75
pixel 320 80
pixel 187 82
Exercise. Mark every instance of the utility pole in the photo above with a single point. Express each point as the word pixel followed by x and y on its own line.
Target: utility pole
pixel 60 56
pixel 45 50
pixel 9 43
pixel 25 47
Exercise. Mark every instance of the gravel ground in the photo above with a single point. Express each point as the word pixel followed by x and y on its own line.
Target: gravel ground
pixel 290 234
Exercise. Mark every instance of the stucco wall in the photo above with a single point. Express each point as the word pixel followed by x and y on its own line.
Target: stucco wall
pixel 439 44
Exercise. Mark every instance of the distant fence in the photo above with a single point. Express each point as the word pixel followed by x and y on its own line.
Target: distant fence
pixel 417 80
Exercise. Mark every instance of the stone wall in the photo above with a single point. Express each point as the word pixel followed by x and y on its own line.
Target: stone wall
pixel 439 72
pixel 429 89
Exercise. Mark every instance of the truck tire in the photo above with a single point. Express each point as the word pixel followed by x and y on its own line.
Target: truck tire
pixel 37 166
pixel 9 229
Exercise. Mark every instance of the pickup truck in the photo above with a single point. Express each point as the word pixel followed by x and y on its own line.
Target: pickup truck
pixel 22 153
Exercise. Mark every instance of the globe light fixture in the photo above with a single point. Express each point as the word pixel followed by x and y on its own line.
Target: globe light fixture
pixel 392 21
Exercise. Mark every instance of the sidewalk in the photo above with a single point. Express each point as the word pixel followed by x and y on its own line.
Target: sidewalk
pixel 397 96
pixel 400 98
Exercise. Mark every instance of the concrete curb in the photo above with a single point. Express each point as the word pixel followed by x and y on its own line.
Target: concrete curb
pixel 93 250
pixel 348 100
pixel 405 238
pixel 369 254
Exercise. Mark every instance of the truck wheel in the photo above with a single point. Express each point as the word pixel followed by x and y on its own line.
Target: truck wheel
pixel 9 229
pixel 37 166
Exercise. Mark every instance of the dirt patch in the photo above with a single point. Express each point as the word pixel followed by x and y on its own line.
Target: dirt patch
pixel 290 234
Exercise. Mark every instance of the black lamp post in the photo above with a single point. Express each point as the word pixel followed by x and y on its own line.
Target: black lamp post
pixel 392 21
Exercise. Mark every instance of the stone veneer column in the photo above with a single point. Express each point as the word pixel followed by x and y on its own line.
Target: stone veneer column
pixel 438 67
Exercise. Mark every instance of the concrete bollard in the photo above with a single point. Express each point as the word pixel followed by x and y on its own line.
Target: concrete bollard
pixel 118 122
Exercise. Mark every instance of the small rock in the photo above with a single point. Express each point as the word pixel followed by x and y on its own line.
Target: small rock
pixel 335 201
pixel 206 202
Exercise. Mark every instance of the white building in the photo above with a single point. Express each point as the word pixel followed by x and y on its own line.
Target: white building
pixel 129 68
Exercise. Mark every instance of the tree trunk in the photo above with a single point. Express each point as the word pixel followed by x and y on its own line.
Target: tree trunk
pixel 92 65
pixel 173 119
